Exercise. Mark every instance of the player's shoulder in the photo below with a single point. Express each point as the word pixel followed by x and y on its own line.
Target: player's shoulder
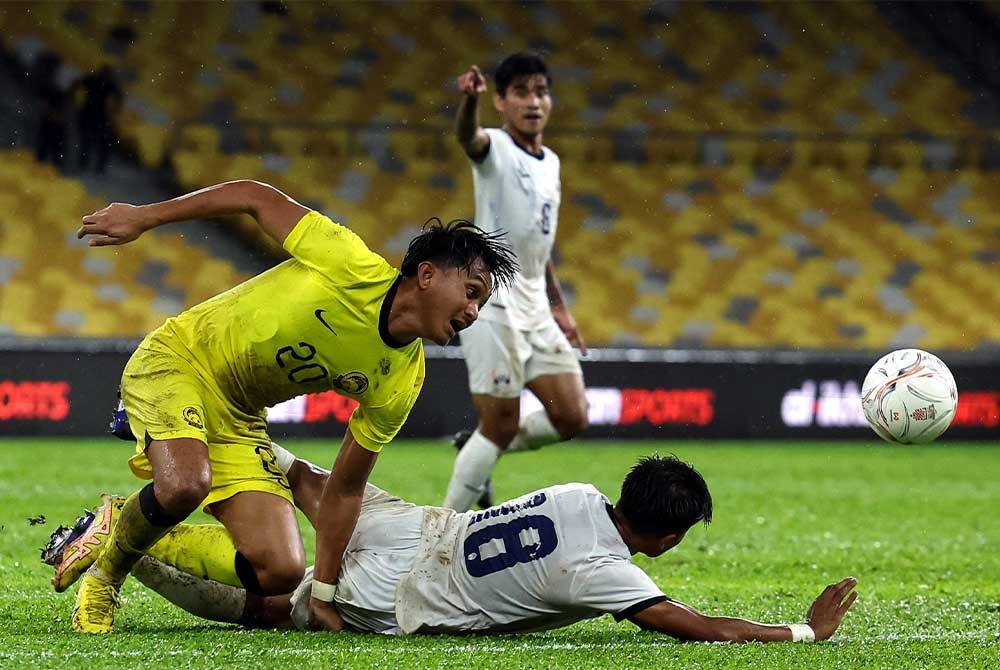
pixel 550 154
pixel 578 494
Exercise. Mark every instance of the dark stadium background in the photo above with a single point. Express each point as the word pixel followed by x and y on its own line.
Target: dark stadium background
pixel 759 199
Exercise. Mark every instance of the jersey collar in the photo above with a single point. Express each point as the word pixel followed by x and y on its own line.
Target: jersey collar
pixel 538 157
pixel 383 316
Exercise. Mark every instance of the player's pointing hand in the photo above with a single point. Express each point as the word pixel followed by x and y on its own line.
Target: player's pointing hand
pixel 118 223
pixel 472 82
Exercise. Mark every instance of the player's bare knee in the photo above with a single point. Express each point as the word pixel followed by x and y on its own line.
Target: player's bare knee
pixel 182 496
pixel 280 574
pixel 570 422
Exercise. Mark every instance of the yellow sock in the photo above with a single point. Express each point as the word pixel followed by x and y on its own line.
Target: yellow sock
pixel 132 535
pixel 202 550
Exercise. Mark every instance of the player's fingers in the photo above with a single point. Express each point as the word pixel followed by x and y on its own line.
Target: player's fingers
pixel 106 240
pixel 580 343
pixel 848 602
pixel 844 587
pixel 89 229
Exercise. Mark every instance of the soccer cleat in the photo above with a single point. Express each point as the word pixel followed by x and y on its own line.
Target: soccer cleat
pixel 96 602
pixel 73 550
pixel 486 499
pixel 52 552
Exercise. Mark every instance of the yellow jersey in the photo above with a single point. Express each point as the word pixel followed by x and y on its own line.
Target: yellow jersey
pixel 315 322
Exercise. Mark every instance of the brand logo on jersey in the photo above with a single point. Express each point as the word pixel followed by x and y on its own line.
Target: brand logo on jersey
pixel 319 315
pixel 501 379
pixel 354 383
pixel 193 418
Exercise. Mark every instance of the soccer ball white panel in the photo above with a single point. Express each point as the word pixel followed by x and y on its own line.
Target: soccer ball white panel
pixel 909 396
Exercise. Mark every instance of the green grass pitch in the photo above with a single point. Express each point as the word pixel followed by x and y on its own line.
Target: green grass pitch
pixel 918 526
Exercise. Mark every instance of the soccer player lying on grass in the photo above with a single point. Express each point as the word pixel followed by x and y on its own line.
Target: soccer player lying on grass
pixel 336 316
pixel 545 560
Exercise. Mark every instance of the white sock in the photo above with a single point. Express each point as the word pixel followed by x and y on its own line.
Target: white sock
pixel 282 457
pixel 473 467
pixel 534 432
pixel 201 597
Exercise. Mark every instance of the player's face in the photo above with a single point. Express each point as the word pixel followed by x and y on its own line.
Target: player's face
pixel 453 299
pixel 526 104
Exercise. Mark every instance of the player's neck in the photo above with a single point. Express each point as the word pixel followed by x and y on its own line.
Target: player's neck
pixel 530 143
pixel 623 529
pixel 403 324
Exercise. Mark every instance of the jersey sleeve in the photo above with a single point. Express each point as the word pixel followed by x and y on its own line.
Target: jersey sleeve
pixel 614 585
pixel 375 426
pixel 495 157
pixel 332 250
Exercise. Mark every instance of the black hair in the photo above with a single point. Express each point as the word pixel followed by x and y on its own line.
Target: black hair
pixel 525 63
pixel 664 495
pixel 458 244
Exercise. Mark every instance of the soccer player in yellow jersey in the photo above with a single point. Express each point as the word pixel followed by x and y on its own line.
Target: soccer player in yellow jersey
pixel 335 316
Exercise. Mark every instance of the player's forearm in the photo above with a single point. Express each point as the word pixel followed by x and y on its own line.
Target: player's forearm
pixel 234 197
pixel 729 629
pixel 340 506
pixel 337 516
pixel 552 287
pixel 685 623
pixel 467 122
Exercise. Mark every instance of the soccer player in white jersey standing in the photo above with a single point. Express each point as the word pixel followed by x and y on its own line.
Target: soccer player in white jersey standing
pixel 526 335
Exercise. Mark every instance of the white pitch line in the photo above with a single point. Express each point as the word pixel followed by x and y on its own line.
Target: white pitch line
pixel 511 644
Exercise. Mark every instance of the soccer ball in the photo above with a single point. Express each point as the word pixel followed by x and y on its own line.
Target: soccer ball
pixel 909 396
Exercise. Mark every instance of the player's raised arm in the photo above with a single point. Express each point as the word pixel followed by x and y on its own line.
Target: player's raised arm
pixel 120 223
pixel 685 623
pixel 473 138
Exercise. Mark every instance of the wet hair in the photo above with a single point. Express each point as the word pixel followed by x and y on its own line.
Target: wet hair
pixel 458 244
pixel 664 495
pixel 523 64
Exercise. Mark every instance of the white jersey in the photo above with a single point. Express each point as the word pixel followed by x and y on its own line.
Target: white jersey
pixel 519 193
pixel 545 560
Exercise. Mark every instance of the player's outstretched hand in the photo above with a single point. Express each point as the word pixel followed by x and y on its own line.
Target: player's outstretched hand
pixel 324 616
pixel 117 223
pixel 829 608
pixel 472 82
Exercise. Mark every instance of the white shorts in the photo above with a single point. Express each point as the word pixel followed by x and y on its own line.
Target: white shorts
pixel 501 360
pixel 381 551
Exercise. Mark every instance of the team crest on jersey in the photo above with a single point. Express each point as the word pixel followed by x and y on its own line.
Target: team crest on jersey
pixel 193 417
pixel 354 383
pixel 384 366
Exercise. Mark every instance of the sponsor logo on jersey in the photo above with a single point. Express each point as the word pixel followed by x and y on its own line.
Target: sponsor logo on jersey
pixel 354 383
pixel 193 417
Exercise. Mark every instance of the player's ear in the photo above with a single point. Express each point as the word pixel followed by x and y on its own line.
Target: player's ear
pixel 671 540
pixel 425 273
pixel 498 102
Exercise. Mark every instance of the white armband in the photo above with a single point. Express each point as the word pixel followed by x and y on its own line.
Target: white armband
pixel 802 632
pixel 325 592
